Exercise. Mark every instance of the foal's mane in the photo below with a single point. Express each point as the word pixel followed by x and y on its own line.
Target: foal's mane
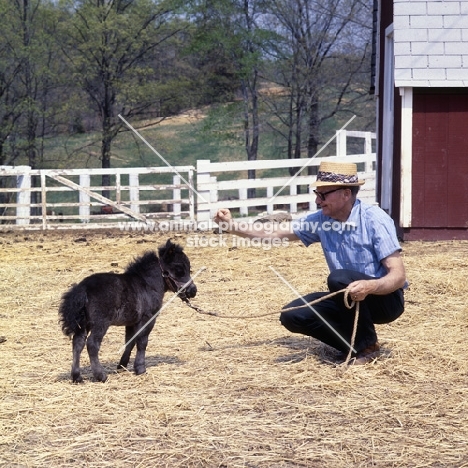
pixel 142 263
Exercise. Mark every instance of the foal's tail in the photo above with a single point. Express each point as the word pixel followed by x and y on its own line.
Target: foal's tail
pixel 72 310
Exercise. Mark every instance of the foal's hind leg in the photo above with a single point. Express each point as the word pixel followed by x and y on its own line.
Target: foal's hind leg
pixel 129 344
pixel 79 340
pixel 93 345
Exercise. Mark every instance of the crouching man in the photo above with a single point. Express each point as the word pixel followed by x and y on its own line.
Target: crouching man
pixel 362 251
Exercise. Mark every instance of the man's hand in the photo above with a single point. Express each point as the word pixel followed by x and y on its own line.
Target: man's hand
pixel 358 290
pixel 223 219
pixel 223 216
pixel 393 280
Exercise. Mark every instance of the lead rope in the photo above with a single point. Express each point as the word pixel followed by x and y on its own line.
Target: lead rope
pixel 356 318
pixel 348 305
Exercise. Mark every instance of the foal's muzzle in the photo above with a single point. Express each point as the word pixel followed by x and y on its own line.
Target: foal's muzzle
pixel 186 290
pixel 189 291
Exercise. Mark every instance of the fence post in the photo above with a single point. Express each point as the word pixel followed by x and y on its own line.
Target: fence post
pixel 204 196
pixel 44 200
pixel 85 181
pixel 191 196
pixel 118 188
pixel 176 195
pixel 368 151
pixel 292 192
pixel 341 142
pixel 134 192
pixel 243 210
pixel 213 195
pixel 23 197
pixel 368 143
pixel 270 206
pixel 312 205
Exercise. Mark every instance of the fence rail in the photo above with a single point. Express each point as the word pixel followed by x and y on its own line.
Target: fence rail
pixel 76 198
pixel 280 192
pixel 61 199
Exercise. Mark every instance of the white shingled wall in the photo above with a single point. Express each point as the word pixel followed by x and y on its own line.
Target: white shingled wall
pixel 431 43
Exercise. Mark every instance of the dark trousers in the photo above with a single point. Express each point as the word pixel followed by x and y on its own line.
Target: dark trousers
pixel 331 322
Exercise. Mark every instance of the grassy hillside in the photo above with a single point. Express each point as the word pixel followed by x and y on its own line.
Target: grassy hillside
pixel 180 140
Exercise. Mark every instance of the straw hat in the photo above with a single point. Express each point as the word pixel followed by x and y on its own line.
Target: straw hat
pixel 337 173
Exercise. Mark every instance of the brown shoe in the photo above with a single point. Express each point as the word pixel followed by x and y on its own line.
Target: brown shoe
pixel 366 355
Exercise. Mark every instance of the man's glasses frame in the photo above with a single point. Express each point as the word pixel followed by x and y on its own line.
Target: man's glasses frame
pixel 322 195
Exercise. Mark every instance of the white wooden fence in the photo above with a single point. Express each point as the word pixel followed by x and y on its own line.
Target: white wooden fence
pixel 278 191
pixel 68 200
pixel 75 198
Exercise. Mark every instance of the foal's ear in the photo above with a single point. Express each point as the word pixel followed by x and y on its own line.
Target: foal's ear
pixel 168 250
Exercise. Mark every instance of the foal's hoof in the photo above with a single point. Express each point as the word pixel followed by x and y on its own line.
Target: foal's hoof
pixel 101 377
pixel 76 376
pixel 140 370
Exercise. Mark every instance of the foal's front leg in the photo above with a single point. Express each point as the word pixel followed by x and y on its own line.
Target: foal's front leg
pixel 129 344
pixel 93 345
pixel 139 365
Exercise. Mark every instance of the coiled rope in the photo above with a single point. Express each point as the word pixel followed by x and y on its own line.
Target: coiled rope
pixel 348 305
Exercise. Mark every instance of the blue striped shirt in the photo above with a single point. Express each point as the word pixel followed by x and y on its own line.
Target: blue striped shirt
pixel 359 244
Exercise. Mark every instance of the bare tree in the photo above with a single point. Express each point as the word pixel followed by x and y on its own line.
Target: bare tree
pixel 236 29
pixel 318 64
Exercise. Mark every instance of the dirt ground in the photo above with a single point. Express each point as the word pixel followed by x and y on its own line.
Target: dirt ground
pixel 230 392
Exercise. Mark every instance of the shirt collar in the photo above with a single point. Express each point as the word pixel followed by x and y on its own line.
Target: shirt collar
pixel 353 218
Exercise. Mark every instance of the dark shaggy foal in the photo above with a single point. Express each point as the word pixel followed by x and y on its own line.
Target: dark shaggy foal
pixel 130 299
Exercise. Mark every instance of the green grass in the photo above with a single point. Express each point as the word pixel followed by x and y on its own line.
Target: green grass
pixel 179 143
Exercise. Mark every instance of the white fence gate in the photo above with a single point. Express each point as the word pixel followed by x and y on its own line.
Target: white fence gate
pixel 75 198
pixel 61 199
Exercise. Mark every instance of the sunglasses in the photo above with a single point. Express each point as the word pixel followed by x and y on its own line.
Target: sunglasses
pixel 322 195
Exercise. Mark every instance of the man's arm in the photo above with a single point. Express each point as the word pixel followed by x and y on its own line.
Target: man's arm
pixel 393 280
pixel 257 230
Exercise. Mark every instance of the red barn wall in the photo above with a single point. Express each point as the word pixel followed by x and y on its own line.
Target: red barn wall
pixel 440 165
